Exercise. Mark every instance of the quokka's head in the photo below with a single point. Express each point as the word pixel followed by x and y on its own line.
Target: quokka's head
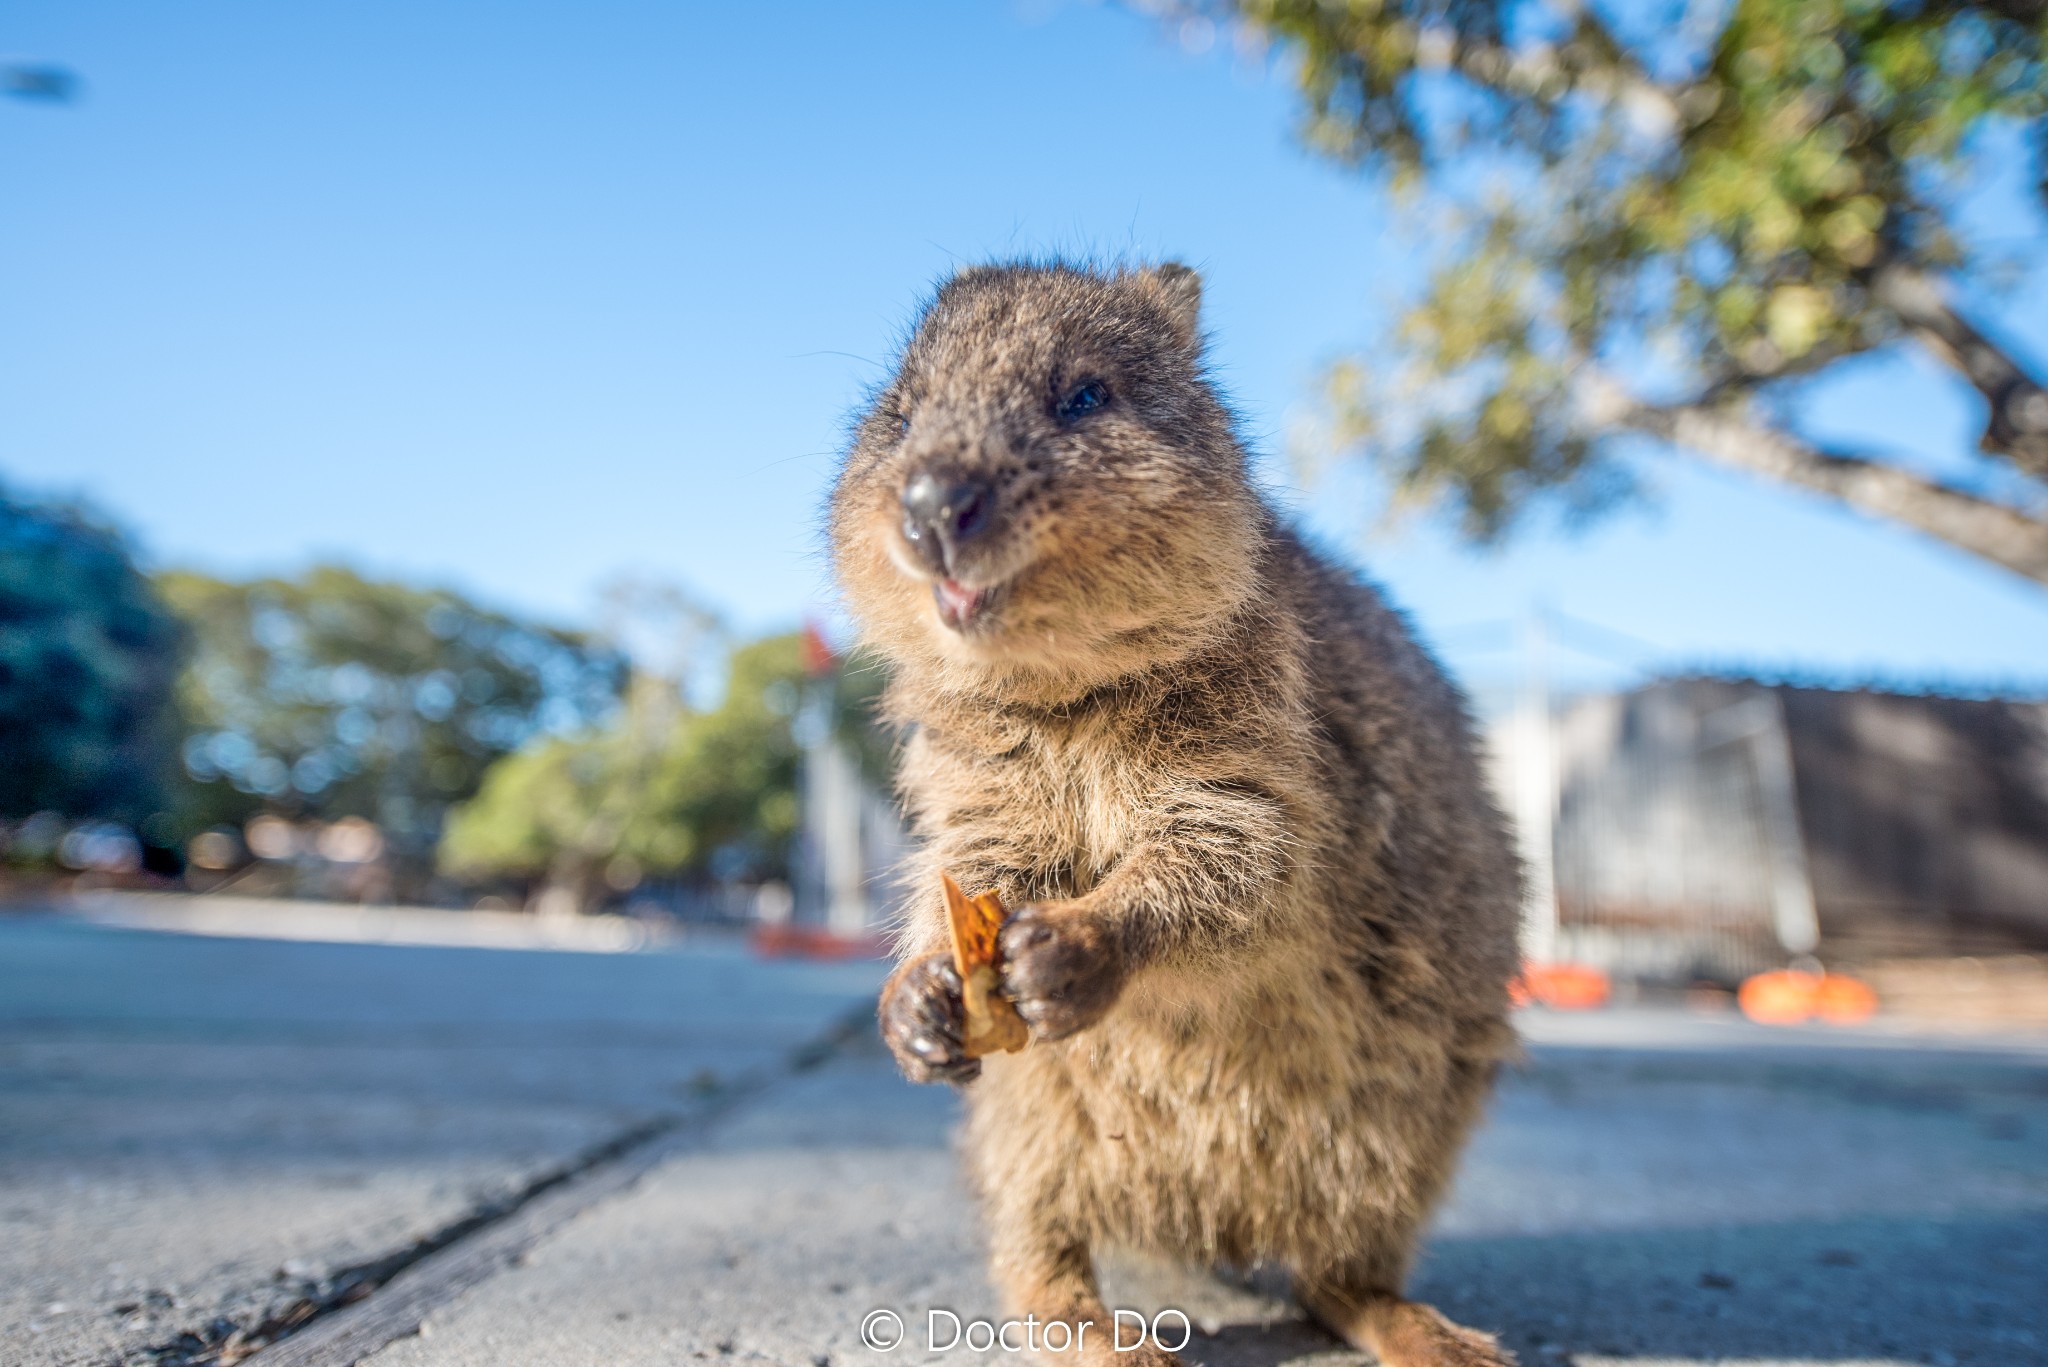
pixel 1048 494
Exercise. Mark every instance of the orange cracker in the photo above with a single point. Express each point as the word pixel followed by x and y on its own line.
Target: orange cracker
pixel 992 1023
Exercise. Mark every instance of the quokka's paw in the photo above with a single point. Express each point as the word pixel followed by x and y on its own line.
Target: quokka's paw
pixel 1060 969
pixel 921 1019
pixel 1462 1347
pixel 1419 1336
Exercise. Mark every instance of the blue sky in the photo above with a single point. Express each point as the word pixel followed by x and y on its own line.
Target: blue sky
pixel 516 297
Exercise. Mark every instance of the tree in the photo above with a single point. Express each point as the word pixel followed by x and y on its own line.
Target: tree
pixel 88 653
pixel 663 789
pixel 1746 192
pixel 331 695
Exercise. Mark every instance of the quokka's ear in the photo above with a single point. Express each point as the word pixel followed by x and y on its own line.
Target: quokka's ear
pixel 1179 289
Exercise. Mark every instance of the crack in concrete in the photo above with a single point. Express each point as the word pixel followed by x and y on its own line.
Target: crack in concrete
pixel 344 1319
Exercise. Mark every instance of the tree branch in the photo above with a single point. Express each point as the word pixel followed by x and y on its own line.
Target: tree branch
pixel 1731 437
pixel 2017 427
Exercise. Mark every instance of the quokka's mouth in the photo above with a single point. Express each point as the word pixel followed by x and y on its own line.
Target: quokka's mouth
pixel 962 608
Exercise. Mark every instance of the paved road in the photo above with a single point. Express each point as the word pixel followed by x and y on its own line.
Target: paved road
pixel 197 1129
pixel 1651 1188
pixel 1648 1190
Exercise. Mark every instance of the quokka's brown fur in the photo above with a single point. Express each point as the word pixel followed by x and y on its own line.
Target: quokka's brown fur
pixel 1266 911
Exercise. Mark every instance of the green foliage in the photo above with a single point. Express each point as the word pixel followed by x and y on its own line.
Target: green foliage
pixel 661 790
pixel 87 658
pixel 1719 187
pixel 331 695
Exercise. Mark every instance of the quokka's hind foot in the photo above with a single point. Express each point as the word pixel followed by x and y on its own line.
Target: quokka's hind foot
pixel 1055 1282
pixel 1403 1333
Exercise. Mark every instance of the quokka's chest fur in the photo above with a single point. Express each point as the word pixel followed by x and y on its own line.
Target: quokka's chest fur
pixel 1077 788
pixel 1070 803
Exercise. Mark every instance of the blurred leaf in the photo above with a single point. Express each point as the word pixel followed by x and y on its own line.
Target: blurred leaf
pixel 38 81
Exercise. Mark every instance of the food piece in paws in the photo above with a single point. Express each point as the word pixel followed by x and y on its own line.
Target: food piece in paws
pixel 992 1024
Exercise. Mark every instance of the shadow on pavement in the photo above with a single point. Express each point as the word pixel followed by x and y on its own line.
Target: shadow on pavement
pixel 1950 1292
pixel 1967 1290
pixel 1260 1345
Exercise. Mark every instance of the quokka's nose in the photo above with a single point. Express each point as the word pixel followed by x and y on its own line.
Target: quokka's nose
pixel 942 512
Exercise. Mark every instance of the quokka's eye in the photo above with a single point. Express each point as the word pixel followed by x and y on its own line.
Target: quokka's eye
pixel 1084 400
pixel 902 424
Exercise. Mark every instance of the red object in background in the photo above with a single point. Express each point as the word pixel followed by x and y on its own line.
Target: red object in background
pixel 819 657
pixel 1564 987
pixel 1792 997
pixel 1781 998
pixel 814 942
pixel 1843 1000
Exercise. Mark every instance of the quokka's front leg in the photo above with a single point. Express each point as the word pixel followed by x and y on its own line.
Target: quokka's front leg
pixel 1199 879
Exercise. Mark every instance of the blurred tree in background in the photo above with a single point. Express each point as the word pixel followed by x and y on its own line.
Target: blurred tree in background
pixel 1657 218
pixel 88 655
pixel 663 789
pixel 331 695
pixel 427 730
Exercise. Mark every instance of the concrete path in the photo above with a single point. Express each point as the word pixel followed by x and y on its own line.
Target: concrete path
pixel 1653 1188
pixel 197 1133
pixel 1649 1190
